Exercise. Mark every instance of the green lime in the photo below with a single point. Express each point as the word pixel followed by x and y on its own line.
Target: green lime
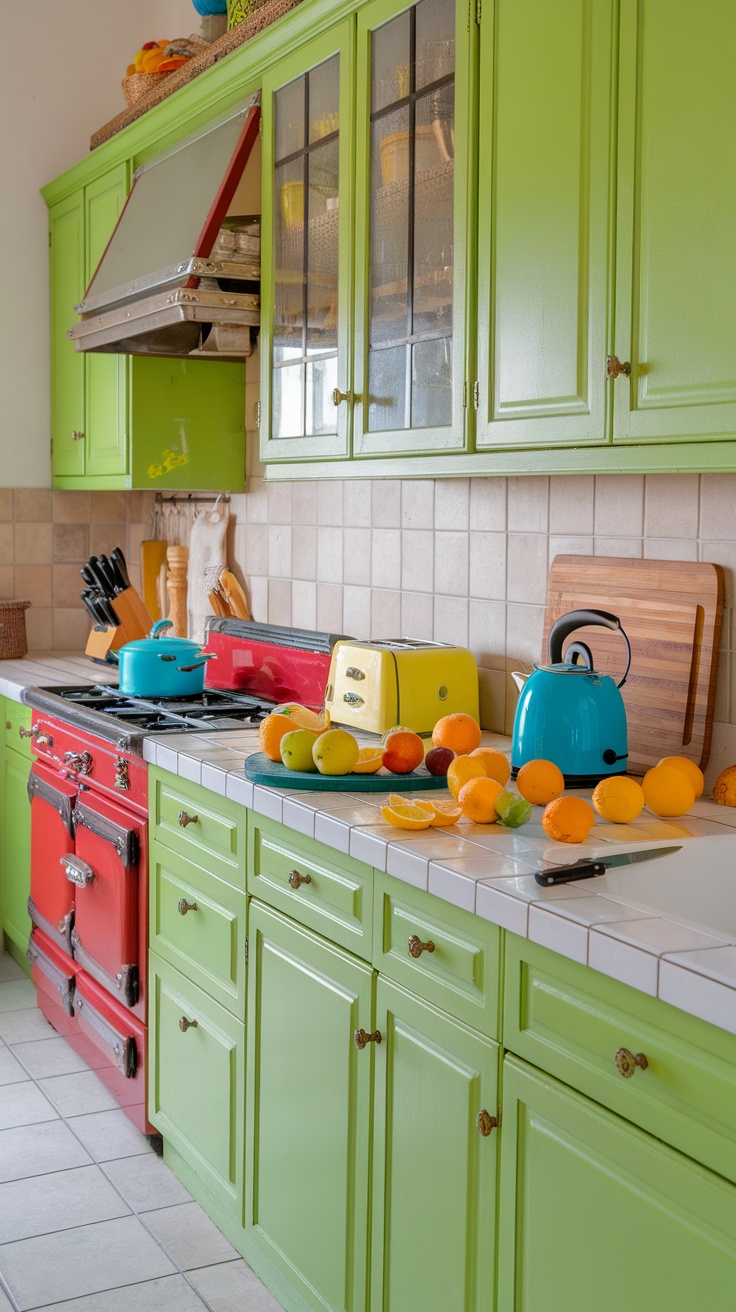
pixel 516 813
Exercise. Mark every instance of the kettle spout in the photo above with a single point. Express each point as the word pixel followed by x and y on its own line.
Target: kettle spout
pixel 519 678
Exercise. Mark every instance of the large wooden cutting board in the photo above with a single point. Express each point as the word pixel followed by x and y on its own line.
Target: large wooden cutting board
pixel 671 611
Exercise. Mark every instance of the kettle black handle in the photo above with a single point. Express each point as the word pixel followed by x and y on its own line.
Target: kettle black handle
pixel 576 619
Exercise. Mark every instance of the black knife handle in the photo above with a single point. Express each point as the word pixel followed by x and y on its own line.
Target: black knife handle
pixel 117 560
pixel 565 874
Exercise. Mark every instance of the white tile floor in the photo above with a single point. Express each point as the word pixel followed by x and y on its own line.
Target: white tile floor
pixel 91 1219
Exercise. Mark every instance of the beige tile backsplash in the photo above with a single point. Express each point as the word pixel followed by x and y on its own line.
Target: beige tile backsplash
pixel 455 560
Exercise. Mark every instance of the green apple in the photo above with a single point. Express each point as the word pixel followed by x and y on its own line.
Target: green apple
pixel 296 750
pixel 335 752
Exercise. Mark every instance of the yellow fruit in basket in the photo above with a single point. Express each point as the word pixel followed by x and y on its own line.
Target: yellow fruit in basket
pixel 693 771
pixel 407 815
pixel 335 752
pixel 667 790
pixel 540 782
pixel 618 799
pixel 724 788
pixel 496 763
pixel 461 770
pixel 568 819
pixel 370 759
pixel 478 800
pixel 271 731
pixel 130 70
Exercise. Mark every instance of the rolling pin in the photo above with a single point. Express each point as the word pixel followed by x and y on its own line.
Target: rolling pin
pixel 176 583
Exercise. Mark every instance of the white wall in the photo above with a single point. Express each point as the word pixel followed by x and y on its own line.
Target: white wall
pixel 62 68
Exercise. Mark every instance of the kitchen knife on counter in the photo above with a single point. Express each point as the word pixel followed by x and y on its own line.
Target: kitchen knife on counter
pixel 586 869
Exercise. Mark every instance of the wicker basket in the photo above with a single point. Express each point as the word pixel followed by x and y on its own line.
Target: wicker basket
pixel 139 84
pixel 13 641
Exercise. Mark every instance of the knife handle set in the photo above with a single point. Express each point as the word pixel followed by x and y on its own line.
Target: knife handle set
pixel 117 612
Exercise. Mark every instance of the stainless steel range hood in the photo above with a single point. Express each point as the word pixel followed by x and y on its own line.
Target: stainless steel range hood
pixel 180 274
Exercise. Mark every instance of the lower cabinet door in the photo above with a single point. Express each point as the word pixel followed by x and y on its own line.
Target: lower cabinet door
pixel 308 1109
pixel 196 1080
pixel 595 1214
pixel 434 1160
pixel 16 872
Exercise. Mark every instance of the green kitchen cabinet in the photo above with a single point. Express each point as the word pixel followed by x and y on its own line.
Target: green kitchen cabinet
pixel 121 421
pixel 363 316
pixel 435 1145
pixel 544 221
pixel 15 876
pixel 196 1077
pixel 308 1111
pixel 675 307
pixel 593 1213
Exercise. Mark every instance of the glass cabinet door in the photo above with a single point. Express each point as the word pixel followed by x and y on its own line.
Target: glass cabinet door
pixel 306 237
pixel 412 90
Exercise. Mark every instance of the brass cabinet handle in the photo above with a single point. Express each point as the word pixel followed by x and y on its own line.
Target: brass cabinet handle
pixel 486 1122
pixel 296 880
pixel 35 732
pixel 614 367
pixel 185 1024
pixel 360 1038
pixel 183 906
pixel 77 436
pixel 626 1062
pixel 416 947
pixel 185 819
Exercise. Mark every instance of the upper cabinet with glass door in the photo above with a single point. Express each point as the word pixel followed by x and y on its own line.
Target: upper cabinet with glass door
pixel 411 166
pixel 307 238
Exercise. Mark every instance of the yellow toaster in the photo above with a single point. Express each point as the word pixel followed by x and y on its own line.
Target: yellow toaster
pixel 375 685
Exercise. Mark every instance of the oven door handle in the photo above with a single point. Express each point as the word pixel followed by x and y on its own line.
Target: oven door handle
pixel 77 871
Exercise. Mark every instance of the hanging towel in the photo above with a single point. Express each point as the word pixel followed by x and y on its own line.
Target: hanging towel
pixel 207 556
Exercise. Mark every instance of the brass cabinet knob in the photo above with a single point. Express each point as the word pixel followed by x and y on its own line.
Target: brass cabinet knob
pixel 27 733
pixel 486 1122
pixel 8 725
pixel 183 906
pixel 614 367
pixel 77 436
pixel 360 1038
pixel 296 880
pixel 185 1024
pixel 338 396
pixel 416 947
pixel 185 819
pixel 626 1062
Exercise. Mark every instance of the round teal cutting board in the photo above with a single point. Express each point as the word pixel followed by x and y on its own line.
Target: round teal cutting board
pixel 260 770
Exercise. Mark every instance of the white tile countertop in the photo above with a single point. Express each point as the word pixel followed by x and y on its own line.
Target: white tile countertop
pixel 666 926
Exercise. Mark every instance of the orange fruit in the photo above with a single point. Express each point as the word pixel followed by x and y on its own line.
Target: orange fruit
pixel 369 760
pixel 461 770
pixel 442 813
pixel 404 751
pixel 459 732
pixel 724 788
pixel 618 799
pixel 568 819
pixel 478 800
pixel 668 791
pixel 540 782
pixel 693 771
pixel 407 815
pixel 271 731
pixel 497 765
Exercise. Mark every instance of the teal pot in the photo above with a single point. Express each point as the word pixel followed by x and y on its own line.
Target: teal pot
pixel 158 666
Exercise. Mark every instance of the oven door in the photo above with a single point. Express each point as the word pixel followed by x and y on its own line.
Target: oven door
pixel 52 840
pixel 105 871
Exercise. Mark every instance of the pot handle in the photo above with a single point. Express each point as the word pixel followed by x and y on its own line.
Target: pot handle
pixel 576 619
pixel 187 669
pixel 158 628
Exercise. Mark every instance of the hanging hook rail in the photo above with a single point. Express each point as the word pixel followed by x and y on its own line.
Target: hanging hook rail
pixel 190 498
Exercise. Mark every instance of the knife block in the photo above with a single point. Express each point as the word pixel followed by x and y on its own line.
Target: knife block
pixel 135 620
pixel 104 638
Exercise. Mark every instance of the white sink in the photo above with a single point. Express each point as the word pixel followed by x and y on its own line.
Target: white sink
pixel 696 885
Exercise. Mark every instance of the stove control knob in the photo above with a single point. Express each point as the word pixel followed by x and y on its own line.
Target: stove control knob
pixel 81 762
pixel 122 779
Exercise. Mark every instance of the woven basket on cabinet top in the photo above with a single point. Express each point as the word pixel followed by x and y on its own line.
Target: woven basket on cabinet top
pixel 139 84
pixel 13 641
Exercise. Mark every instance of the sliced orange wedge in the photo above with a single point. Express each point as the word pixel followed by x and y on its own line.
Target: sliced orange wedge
pixel 407 816
pixel 442 813
pixel 369 760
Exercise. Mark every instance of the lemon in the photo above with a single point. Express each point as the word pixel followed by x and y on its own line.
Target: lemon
pixel 407 816
pixel 335 752
pixel 461 770
pixel 668 791
pixel 618 799
pixel 296 750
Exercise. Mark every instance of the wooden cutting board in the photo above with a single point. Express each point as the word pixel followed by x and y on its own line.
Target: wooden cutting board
pixel 671 611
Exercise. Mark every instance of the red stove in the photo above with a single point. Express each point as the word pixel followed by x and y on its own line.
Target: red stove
pixel 89 862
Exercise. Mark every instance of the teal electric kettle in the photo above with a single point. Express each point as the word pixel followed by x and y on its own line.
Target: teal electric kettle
pixel 570 714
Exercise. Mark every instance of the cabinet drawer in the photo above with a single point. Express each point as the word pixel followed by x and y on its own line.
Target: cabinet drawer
pixel 202 826
pixel 17 717
pixel 457 966
pixel 322 889
pixel 572 1021
pixel 197 922
pixel 196 1078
